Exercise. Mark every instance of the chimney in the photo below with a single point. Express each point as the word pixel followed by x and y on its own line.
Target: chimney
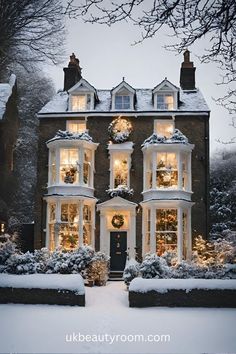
pixel 72 73
pixel 187 73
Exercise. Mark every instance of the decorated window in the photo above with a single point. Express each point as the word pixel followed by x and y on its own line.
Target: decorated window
pixel 120 170
pixel 165 101
pixel 167 172
pixel 164 127
pixel 69 159
pixel 80 102
pixel 74 126
pixel 166 230
pixel 122 102
pixel 68 234
pixel 120 130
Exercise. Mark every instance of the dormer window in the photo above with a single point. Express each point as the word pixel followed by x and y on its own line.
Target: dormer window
pixel 165 101
pixel 123 97
pixel 82 96
pixel 76 126
pixel 80 102
pixel 122 102
pixel 165 96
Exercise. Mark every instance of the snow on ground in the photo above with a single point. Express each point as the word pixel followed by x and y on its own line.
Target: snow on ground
pixel 73 282
pixel 163 285
pixel 44 328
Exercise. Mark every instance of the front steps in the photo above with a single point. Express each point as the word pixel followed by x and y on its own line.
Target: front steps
pixel 115 276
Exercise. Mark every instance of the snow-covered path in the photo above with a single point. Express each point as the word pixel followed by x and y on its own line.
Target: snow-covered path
pixel 49 329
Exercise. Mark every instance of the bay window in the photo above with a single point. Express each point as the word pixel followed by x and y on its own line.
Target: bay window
pixel 167 228
pixel 168 169
pixel 70 224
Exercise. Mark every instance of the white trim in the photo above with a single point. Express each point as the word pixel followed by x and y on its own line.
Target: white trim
pixel 153 113
pixel 117 204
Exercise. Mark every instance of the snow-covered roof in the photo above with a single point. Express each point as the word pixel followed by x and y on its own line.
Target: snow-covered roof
pixel 176 138
pixel 65 135
pixel 190 101
pixel 5 93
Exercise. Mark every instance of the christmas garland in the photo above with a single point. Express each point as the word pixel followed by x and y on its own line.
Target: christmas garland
pixel 120 130
pixel 117 221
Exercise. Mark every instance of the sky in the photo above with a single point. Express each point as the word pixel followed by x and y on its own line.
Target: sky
pixel 107 54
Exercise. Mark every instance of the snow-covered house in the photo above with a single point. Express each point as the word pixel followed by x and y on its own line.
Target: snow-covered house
pixel 9 123
pixel 124 170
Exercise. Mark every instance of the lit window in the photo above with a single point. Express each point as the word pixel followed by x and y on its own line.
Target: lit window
pixel 87 224
pixel 53 168
pixel 69 165
pixel 122 102
pixel 165 101
pixel 164 127
pixel 76 126
pixel 80 102
pixel 167 173
pixel 120 171
pixel 166 230
pixel 87 167
pixel 68 234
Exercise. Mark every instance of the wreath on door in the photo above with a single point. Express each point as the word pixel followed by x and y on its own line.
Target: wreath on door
pixel 117 221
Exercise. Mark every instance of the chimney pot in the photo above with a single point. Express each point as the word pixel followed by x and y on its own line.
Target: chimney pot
pixel 187 73
pixel 72 74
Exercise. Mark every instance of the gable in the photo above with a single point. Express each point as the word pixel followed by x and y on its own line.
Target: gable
pixel 82 86
pixel 165 85
pixel 123 86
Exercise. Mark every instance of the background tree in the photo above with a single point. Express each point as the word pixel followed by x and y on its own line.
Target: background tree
pixel 30 31
pixel 34 91
pixel 188 20
pixel 223 193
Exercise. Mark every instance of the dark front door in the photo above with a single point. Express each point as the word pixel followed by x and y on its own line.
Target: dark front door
pixel 118 247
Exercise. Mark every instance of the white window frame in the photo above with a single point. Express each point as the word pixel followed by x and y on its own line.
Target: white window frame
pixel 122 103
pixel 114 150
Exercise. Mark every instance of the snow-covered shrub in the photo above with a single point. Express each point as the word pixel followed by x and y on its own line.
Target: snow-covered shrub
pixel 70 262
pixel 8 247
pixel 21 264
pixel 154 266
pixel 131 271
pixel 186 269
pixel 170 257
pixel 98 268
pixel 41 258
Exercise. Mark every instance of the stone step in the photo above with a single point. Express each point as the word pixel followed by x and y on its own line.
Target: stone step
pixel 115 275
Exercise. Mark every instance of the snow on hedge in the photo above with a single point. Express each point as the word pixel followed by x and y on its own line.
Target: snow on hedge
pixel 73 282
pixel 163 285
pixel 5 93
pixel 66 135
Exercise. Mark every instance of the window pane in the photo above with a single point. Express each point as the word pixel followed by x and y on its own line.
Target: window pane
pixel 120 170
pixel 165 101
pixel 53 168
pixel 87 167
pixel 166 230
pixel 87 225
pixel 122 102
pixel 167 173
pixel 76 127
pixel 79 102
pixel 164 128
pixel 68 165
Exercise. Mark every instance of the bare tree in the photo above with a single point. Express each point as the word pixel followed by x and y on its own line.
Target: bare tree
pixel 30 31
pixel 188 20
